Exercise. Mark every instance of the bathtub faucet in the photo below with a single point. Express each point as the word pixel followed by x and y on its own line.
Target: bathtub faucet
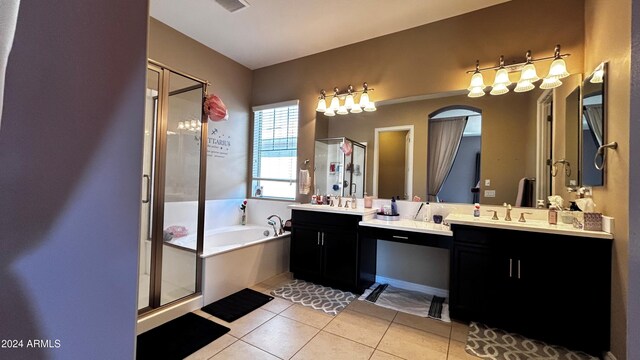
pixel 273 223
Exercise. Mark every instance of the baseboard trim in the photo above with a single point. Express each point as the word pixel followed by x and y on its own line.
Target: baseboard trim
pixel 412 286
pixel 609 356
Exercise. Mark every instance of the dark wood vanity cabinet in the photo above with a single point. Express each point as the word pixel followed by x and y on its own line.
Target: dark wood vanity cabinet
pixel 555 288
pixel 325 249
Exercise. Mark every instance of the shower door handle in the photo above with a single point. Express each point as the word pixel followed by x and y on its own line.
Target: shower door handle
pixel 145 176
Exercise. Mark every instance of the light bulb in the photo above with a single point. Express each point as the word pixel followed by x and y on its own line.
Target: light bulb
pixel 558 69
pixel 476 92
pixel 502 78
pixel 194 124
pixel 342 110
pixel 529 74
pixel 523 86
pixel 550 83
pixel 371 106
pixel 499 89
pixel 348 102
pixel 322 105
pixel 364 100
pixel 356 109
pixel 598 75
pixel 180 125
pixel 329 112
pixel 335 103
pixel 477 81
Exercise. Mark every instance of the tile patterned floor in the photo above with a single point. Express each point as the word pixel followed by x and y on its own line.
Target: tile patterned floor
pixel 284 330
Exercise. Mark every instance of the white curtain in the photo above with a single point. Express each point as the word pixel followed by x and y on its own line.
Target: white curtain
pixel 8 21
pixel 593 114
pixel 444 141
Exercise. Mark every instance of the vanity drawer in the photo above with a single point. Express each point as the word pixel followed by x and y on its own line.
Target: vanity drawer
pixel 409 237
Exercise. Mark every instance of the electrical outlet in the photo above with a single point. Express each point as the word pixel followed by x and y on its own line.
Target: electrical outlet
pixel 489 193
pixel 487 182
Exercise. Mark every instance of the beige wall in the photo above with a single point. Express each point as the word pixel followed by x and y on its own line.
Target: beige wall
pixel 391 158
pixel 608 38
pixel 229 80
pixel 425 60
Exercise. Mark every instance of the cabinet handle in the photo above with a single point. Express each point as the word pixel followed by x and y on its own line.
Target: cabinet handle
pixel 318 239
pixel 510 267
pixel 518 269
pixel 400 237
pixel 322 239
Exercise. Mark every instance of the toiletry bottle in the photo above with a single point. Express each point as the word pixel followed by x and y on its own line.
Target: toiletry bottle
pixel 553 215
pixel 427 212
pixel 354 201
pixel 476 210
pixel 394 206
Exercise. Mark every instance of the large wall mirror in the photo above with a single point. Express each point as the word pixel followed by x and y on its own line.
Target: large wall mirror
pixel 592 125
pixel 509 131
pixel 570 164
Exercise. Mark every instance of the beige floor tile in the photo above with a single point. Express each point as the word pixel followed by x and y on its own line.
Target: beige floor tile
pixel 330 347
pixel 372 309
pixel 409 343
pixel 459 331
pixel 281 336
pixel 278 280
pixel 426 324
pixel 277 305
pixel 363 328
pixel 202 313
pixel 379 355
pixel 307 315
pixel 456 352
pixel 261 288
pixel 213 348
pixel 243 351
pixel 247 323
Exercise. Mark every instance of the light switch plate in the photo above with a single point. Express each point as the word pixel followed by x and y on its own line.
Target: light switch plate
pixel 489 193
pixel 487 182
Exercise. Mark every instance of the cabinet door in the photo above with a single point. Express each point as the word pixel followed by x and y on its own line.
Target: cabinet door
pixel 478 284
pixel 340 258
pixel 306 253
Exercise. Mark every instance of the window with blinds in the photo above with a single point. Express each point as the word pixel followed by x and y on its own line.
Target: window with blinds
pixel 275 146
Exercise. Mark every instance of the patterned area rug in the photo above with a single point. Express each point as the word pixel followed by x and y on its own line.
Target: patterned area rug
pixel 491 343
pixel 329 300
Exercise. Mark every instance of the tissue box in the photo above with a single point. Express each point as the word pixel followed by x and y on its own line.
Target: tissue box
pixel 593 221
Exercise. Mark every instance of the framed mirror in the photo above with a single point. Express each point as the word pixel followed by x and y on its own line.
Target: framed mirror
pixel 592 128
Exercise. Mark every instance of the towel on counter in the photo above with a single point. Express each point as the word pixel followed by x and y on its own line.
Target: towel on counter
pixel 304 182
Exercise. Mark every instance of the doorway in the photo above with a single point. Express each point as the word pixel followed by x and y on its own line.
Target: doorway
pixel 173 186
pixel 393 162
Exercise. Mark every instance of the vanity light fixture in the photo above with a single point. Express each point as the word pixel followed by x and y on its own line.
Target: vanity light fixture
pixel 598 75
pixel 528 75
pixel 190 125
pixel 343 103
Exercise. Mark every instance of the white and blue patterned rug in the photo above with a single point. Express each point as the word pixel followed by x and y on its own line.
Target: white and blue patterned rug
pixel 329 300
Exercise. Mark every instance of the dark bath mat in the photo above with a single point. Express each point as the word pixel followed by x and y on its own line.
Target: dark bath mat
pixel 237 305
pixel 178 338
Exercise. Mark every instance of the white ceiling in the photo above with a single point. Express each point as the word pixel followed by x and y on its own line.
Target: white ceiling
pixel 273 31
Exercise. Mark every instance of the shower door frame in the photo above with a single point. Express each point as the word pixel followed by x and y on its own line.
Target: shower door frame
pixel 159 158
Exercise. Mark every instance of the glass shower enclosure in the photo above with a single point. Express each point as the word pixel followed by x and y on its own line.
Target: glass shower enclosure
pixel 340 167
pixel 173 188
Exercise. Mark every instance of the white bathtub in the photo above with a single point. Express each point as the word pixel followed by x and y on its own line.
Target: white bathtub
pixel 218 241
pixel 236 257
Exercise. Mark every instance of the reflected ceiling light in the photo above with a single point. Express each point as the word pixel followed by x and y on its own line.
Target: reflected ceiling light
pixel 528 75
pixel 348 100
pixel 180 125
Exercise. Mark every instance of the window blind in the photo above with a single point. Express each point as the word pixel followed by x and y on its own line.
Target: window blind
pixel 275 144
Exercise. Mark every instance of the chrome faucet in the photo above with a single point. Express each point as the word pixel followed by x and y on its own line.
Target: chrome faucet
pixel 273 223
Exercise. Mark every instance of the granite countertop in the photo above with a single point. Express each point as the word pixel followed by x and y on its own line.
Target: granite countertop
pixel 540 226
pixel 409 225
